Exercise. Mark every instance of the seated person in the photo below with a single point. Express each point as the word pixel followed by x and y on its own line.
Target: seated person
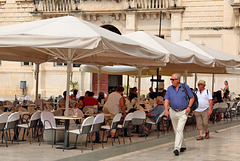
pixel 80 100
pixel 90 101
pixel 132 93
pixel 101 97
pixel 151 94
pixel 74 95
pixel 62 101
pixel 153 114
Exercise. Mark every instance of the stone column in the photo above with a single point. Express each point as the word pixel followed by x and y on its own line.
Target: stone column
pixel 176 25
pixel 130 21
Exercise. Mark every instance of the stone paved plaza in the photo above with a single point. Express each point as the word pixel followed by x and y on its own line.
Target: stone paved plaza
pixel 222 145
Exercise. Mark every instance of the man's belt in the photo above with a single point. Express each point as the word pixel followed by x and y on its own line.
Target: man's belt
pixel 178 110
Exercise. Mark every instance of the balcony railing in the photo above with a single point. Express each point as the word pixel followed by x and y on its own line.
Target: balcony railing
pixel 71 5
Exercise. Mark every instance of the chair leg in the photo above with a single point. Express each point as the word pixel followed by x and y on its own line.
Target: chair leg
pixel 23 132
pixel 41 137
pixel 29 136
pixel 5 139
pixel 52 138
pixel 129 134
pixel 55 135
pixel 103 138
pixel 123 135
pixel 91 141
pixel 81 142
pixel 158 128
pixel 75 145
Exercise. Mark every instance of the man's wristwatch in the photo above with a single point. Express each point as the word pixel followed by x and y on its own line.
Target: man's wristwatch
pixel 188 106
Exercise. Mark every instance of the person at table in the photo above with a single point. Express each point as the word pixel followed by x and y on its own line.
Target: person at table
pixel 74 95
pixel 80 100
pixel 226 88
pixel 62 101
pixel 153 114
pixel 101 97
pixel 90 101
pixel 151 94
pixel 115 103
pixel 132 93
pixel 226 97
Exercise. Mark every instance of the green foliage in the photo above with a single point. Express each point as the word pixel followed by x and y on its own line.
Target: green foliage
pixel 73 85
pixel 125 89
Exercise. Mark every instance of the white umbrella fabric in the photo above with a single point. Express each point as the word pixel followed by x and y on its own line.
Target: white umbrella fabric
pixel 179 58
pixel 219 58
pixel 72 40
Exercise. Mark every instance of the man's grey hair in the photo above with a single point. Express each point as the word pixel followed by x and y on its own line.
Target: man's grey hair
pixel 178 75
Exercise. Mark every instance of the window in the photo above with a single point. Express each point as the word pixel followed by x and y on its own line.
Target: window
pixel 76 65
pixel 27 63
pixel 65 64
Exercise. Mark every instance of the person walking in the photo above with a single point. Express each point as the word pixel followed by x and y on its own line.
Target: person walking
pixel 180 107
pixel 204 110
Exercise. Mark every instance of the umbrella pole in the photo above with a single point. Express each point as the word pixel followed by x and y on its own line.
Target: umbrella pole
pixel 139 84
pixel 127 84
pixel 69 63
pixel 213 81
pixel 99 79
pixel 36 78
pixel 195 81
pixel 185 75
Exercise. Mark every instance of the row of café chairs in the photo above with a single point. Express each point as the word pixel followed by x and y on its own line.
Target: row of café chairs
pixel 8 123
pixel 92 125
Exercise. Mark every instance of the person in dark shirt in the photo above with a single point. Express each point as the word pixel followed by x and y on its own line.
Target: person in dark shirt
pixel 151 94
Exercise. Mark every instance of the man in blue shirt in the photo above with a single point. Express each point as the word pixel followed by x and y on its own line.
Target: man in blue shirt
pixel 180 107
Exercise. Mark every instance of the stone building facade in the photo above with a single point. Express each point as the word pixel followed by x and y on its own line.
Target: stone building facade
pixel 213 23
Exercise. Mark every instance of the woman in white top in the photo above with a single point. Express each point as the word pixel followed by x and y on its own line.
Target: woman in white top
pixel 115 103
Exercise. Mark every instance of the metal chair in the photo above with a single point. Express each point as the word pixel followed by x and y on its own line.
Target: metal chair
pixel 139 118
pixel 84 129
pixel 126 124
pixel 158 123
pixel 32 124
pixel 3 121
pixel 97 124
pixel 12 123
pixel 113 126
pixel 49 123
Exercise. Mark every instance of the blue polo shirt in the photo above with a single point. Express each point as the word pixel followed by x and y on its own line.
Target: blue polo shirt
pixel 178 99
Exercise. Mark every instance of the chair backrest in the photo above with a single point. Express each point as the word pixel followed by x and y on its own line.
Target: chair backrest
pixel 138 117
pixel 31 109
pixel 48 119
pixel 87 125
pixel 3 120
pixel 116 120
pixel 160 116
pixel 22 109
pixel 97 123
pixel 127 120
pixel 12 120
pixel 35 119
pixel 36 115
pixel 58 112
pixel 89 111
pixel 223 105
pixel 86 108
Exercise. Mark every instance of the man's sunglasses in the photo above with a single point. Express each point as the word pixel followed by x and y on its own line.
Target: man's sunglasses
pixel 173 79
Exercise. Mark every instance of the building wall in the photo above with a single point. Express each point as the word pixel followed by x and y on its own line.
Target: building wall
pixel 213 23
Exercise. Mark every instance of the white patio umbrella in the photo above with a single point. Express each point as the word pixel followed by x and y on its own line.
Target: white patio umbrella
pixel 72 40
pixel 219 58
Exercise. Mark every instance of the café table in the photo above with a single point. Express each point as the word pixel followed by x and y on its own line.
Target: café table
pixel 66 135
